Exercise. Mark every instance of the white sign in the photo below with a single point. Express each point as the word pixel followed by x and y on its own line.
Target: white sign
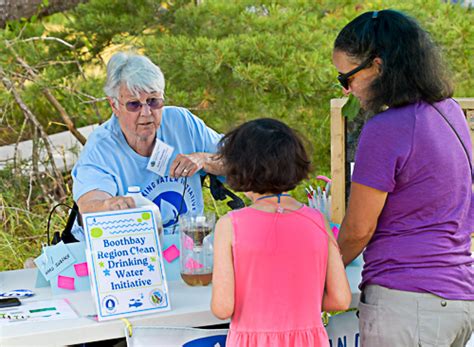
pixel 126 263
pixel 343 330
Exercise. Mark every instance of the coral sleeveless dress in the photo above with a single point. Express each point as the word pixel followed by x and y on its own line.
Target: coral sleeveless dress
pixel 280 262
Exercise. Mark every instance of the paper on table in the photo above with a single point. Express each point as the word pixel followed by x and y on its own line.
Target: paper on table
pixel 81 269
pixel 171 253
pixel 40 311
pixel 66 282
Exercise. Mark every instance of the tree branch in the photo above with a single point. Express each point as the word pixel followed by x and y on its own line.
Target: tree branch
pixel 32 118
pixel 48 38
pixel 56 104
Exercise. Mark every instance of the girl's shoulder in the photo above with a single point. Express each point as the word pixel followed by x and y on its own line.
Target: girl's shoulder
pixel 240 212
pixel 312 213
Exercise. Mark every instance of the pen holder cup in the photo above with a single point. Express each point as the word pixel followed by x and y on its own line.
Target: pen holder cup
pixel 322 204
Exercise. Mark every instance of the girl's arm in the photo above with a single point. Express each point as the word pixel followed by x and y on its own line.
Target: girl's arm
pixel 222 302
pixel 337 292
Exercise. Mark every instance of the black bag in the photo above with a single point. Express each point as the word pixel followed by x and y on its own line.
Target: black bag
pixel 220 192
pixel 66 235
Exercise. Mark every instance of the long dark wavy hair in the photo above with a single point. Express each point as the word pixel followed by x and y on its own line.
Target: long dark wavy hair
pixel 412 67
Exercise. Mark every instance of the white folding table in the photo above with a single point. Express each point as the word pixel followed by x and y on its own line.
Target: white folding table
pixel 190 307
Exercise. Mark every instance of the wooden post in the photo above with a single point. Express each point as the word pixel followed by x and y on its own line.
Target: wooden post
pixel 338 161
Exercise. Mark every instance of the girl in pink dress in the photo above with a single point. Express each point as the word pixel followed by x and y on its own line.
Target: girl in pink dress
pixel 276 264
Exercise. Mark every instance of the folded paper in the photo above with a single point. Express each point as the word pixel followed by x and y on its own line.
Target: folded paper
pixel 81 269
pixel 53 260
pixel 81 279
pixel 171 253
pixel 66 282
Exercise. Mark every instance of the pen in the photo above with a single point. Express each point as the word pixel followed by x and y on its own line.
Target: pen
pixel 328 188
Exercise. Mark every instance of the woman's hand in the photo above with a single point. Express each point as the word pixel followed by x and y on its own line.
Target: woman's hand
pixel 186 165
pixel 98 201
pixel 118 203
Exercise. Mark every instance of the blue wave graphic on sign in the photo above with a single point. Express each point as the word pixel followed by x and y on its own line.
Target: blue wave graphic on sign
pixel 130 231
pixel 129 220
pixel 131 225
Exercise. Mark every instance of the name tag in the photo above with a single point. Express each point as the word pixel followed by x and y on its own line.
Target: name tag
pixel 160 158
pixel 53 260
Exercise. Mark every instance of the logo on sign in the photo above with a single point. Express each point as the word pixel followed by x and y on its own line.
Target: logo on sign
pixel 110 303
pixel 170 204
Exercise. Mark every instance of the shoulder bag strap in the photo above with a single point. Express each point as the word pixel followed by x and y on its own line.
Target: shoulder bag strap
pixel 457 135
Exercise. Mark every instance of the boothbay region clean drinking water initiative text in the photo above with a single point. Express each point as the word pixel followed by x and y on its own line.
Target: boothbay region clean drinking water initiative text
pixel 133 247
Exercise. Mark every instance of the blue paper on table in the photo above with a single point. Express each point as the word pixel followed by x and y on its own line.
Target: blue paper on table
pixel 73 278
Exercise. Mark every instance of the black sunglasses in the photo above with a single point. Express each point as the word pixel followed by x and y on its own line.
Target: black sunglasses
pixel 153 103
pixel 344 78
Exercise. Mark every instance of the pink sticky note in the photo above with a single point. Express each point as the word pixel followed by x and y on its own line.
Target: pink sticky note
pixel 335 231
pixel 188 242
pixel 171 253
pixel 66 282
pixel 81 269
pixel 192 264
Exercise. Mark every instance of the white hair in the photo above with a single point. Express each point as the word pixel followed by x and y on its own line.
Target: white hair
pixel 137 72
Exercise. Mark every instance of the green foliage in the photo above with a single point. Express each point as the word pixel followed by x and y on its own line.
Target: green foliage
pixel 227 61
pixel 351 108
pixel 23 219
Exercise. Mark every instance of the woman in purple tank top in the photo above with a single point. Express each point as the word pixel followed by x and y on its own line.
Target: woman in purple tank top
pixel 410 205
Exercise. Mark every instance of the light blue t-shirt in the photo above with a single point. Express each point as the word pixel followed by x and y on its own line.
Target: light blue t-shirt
pixel 109 164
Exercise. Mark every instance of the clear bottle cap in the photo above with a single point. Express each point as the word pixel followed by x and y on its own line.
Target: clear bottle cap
pixel 201 220
pixel 134 189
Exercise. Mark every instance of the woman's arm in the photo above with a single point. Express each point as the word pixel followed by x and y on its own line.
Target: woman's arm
pixel 98 201
pixel 360 221
pixel 337 292
pixel 222 302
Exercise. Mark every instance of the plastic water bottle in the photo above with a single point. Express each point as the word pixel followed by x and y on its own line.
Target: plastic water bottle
pixel 140 201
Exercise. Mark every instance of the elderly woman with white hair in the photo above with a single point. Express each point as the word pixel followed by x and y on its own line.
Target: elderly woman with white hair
pixel 118 154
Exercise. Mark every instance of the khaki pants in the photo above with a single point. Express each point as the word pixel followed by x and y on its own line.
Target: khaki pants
pixel 394 318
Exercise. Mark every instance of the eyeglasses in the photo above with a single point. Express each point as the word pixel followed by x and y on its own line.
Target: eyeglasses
pixel 153 103
pixel 344 78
